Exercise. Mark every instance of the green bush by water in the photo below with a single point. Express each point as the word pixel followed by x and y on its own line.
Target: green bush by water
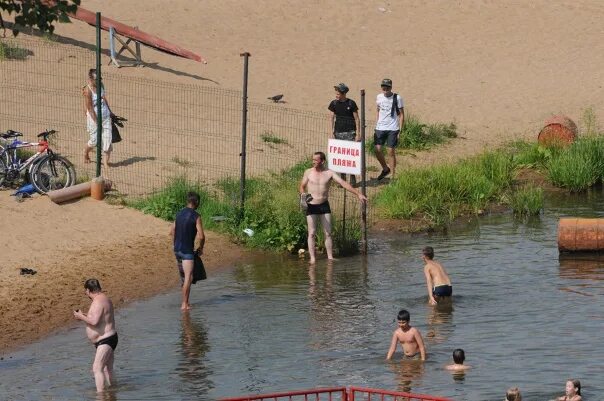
pixel 272 211
pixel 444 192
pixel 173 197
pixel 579 166
pixel 526 201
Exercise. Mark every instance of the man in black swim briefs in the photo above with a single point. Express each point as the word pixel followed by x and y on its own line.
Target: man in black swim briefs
pixel 316 181
pixel 100 329
pixel 437 279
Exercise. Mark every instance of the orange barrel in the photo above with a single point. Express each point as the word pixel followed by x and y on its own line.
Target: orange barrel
pixel 559 130
pixel 580 235
pixel 97 190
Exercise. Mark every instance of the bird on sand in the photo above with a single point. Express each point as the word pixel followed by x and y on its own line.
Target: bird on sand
pixel 276 98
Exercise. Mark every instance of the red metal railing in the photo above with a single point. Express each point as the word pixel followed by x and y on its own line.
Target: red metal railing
pixel 340 394
pixel 373 394
pixel 315 394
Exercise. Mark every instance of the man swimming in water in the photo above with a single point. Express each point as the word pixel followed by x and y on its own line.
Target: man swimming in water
pixel 409 337
pixel 437 279
pixel 100 329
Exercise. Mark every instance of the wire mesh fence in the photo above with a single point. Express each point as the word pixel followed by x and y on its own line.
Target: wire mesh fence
pixel 173 130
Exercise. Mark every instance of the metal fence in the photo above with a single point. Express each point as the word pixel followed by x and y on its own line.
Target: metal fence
pixel 172 129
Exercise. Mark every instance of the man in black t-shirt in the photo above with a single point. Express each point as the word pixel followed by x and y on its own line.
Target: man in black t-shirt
pixel 344 118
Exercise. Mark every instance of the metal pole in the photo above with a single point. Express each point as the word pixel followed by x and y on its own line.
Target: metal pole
pixel 99 110
pixel 245 56
pixel 363 177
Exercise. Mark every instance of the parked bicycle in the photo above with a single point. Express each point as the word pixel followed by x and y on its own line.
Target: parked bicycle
pixel 45 169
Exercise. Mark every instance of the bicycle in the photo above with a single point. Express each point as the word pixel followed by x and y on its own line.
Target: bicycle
pixel 45 169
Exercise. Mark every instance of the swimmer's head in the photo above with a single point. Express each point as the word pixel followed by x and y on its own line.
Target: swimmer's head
pixel 573 386
pixel 193 199
pixel 92 285
pixel 513 394
pixel 459 356
pixel 428 252
pixel 403 316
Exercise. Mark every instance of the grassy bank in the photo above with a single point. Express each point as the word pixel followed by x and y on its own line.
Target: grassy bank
pixel 416 135
pixel 272 212
pixel 440 194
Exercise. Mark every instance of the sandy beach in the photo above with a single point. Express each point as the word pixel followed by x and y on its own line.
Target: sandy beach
pixel 497 69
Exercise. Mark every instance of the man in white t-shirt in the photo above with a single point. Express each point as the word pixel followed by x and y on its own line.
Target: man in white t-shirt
pixel 390 120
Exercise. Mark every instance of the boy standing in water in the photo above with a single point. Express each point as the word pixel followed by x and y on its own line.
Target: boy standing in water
pixel 410 338
pixel 437 279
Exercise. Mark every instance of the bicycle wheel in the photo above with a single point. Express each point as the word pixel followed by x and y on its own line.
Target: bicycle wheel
pixel 52 172
pixel 3 171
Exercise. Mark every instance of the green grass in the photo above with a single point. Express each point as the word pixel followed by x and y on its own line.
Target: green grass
pixel 526 201
pixel 579 166
pixel 269 137
pixel 442 193
pixel 10 51
pixel 169 200
pixel 420 136
pixel 271 210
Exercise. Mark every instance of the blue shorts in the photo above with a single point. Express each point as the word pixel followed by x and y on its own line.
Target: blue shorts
pixel 183 256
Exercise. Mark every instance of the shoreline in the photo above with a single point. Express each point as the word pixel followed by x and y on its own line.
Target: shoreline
pixel 130 267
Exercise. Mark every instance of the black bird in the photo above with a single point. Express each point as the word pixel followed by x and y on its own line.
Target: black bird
pixel 276 98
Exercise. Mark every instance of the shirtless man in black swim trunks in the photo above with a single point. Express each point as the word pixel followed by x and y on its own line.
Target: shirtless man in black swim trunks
pixel 100 329
pixel 437 279
pixel 316 182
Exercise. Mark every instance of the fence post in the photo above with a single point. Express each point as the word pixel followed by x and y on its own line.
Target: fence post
pixel 245 56
pixel 99 91
pixel 363 177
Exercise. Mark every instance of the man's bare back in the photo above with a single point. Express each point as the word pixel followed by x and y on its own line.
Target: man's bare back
pixel 437 272
pixel 438 282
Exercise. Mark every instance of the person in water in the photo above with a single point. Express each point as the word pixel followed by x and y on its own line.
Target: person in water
pixel 459 356
pixel 187 230
pixel 437 279
pixel 513 394
pixel 316 183
pixel 573 391
pixel 100 329
pixel 409 337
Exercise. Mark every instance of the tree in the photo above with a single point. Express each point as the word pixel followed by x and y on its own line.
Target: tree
pixel 42 14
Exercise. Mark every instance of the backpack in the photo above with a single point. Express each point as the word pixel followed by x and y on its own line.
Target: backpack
pixel 395 106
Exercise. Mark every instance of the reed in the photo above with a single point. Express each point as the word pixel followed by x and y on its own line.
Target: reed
pixel 442 193
pixel 166 202
pixel 579 166
pixel 525 201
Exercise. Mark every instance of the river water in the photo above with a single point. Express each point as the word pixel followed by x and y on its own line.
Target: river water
pixel 523 317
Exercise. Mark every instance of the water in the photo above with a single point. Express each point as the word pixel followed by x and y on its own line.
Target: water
pixel 523 317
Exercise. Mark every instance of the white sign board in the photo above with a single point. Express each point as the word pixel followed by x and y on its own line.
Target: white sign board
pixel 344 156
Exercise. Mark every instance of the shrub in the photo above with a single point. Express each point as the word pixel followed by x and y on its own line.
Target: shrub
pixel 525 201
pixel 579 166
pixel 9 51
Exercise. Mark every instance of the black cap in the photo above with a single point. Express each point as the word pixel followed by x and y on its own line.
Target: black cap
pixel 342 88
pixel 386 82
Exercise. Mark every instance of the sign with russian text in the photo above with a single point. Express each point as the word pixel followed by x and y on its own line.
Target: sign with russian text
pixel 344 156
